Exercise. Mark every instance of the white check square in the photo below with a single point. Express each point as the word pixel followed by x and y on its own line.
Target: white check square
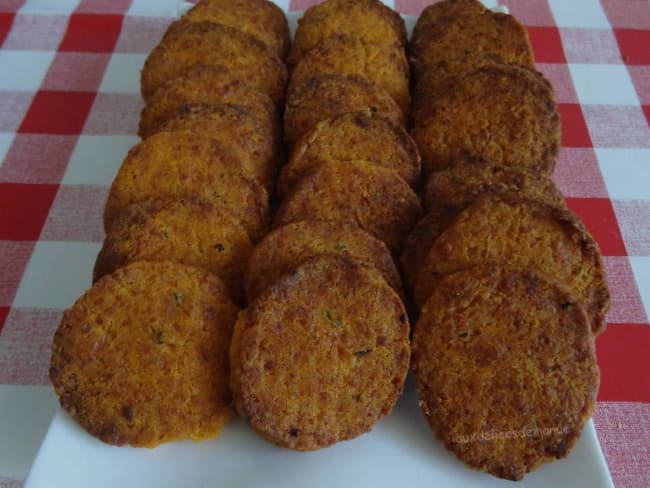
pixel 579 13
pixel 49 6
pixel 161 8
pixel 122 74
pixel 25 70
pixel 603 84
pixel 57 274
pixel 641 270
pixel 626 172
pixel 95 160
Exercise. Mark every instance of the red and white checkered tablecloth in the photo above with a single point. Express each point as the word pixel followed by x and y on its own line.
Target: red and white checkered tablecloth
pixel 69 106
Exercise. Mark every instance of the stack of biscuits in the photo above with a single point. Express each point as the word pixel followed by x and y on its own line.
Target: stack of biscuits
pixel 142 357
pixel 509 285
pixel 322 351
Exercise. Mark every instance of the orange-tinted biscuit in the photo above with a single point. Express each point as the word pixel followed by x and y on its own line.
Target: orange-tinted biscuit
pixel 505 369
pixel 326 96
pixel 142 357
pixel 321 355
pixel 187 44
pixel 504 115
pixel 210 85
pixel 352 136
pixel 286 247
pixel 374 198
pixel 343 54
pixel 369 19
pixel 509 229
pixel 181 164
pixel 261 19
pixel 185 231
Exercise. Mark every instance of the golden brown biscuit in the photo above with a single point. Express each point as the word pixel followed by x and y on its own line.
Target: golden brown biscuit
pixel 210 85
pixel 450 191
pixel 459 185
pixel 515 124
pixel 181 164
pixel 352 136
pixel 505 369
pixel 142 357
pixel 233 127
pixel 326 96
pixel 261 19
pixel 447 8
pixel 342 54
pixel 445 74
pixel 509 229
pixel 358 192
pixel 369 19
pixel 320 356
pixel 286 247
pixel 455 35
pixel 187 44
pixel 186 231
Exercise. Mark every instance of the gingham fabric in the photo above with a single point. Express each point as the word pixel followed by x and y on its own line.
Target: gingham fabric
pixel 69 106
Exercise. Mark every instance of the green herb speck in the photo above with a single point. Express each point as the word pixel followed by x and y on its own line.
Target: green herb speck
pixel 566 305
pixel 158 335
pixel 219 247
pixel 362 352
pixel 178 298
pixel 340 247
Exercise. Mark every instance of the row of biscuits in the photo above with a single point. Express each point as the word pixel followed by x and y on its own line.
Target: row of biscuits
pixel 142 357
pixel 509 284
pixel 322 351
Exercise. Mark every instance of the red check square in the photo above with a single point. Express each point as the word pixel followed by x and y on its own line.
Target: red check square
pixel 15 256
pixel 599 218
pixel 547 44
pixel 57 112
pixel 23 210
pixel 92 33
pixel 574 127
pixel 4 311
pixel 634 45
pixel 6 19
pixel 624 362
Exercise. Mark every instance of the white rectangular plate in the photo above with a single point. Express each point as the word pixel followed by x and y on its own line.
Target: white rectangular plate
pixel 400 451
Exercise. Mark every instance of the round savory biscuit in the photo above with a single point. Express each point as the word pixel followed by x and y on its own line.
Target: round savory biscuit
pixel 285 248
pixel 374 198
pixel 321 355
pixel 352 136
pixel 261 19
pixel 187 44
pixel 505 369
pixel 233 127
pixel 343 54
pixel 459 185
pixel 526 234
pixel 447 8
pixel 515 124
pixel 181 164
pixel 445 74
pixel 420 240
pixel 455 35
pixel 210 85
pixel 326 96
pixel 368 19
pixel 142 357
pixel 449 191
pixel 186 231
